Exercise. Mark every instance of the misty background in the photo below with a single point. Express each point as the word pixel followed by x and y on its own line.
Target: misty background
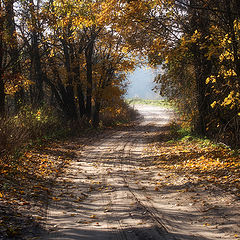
pixel 141 84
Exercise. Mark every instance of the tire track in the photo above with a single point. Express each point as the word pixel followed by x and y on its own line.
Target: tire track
pixel 115 206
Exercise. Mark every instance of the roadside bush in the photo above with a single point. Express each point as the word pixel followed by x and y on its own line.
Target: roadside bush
pixel 12 135
pixel 39 123
pixel 29 125
pixel 117 112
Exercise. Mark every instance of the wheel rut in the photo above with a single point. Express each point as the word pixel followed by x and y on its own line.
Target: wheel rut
pixel 106 194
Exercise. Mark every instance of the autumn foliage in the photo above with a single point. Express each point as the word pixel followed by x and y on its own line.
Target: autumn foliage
pixel 74 54
pixel 195 44
pixel 64 65
pixel 61 53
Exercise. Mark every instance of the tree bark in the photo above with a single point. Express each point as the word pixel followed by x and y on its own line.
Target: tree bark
pixel 96 118
pixel 70 101
pixel 81 103
pixel 2 96
pixel 200 21
pixel 37 73
pixel 89 55
pixel 2 93
pixel 13 50
pixel 235 46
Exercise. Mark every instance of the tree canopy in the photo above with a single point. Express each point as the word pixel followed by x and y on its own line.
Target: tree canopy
pixel 75 56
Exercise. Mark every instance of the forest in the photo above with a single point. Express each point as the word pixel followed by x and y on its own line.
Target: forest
pixel 71 58
pixel 64 67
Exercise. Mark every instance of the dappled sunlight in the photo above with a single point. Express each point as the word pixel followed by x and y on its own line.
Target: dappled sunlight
pixel 114 188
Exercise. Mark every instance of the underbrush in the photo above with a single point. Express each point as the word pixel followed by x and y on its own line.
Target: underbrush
pixel 117 113
pixel 25 167
pixel 29 126
pixel 180 151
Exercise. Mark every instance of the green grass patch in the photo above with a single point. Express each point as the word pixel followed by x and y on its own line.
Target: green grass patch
pixel 160 103
pixel 180 134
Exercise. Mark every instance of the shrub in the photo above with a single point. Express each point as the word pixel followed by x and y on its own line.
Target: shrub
pixel 12 135
pixel 29 125
pixel 117 112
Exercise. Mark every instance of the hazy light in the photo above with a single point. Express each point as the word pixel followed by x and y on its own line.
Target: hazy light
pixel 141 84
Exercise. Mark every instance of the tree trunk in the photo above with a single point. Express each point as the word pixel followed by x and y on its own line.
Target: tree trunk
pixel 96 118
pixel 13 50
pixel 2 93
pixel 37 73
pixel 77 80
pixel 202 71
pixel 70 101
pixel 2 96
pixel 88 55
pixel 82 109
pixel 200 21
pixel 235 46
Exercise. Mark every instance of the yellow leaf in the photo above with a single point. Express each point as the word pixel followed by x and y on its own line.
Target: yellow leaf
pixel 51 53
pixel 93 216
pixel 56 199
pixel 213 104
pixel 166 60
pixel 206 224
pixel 1 195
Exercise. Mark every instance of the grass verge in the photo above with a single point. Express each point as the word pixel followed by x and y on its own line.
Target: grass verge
pixel 179 151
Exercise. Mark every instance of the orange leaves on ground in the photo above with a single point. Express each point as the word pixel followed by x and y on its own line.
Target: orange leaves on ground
pixel 56 199
pixel 31 169
pixel 209 162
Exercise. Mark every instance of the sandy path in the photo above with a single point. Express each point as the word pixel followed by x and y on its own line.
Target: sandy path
pixel 109 193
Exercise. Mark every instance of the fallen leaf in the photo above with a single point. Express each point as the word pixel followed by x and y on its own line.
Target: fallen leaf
pixel 56 199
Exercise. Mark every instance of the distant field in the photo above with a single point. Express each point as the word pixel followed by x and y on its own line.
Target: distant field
pixel 161 103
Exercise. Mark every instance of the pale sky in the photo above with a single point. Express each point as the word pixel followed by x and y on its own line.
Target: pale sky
pixel 141 84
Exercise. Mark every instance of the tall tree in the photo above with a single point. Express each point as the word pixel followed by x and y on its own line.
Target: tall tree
pixel 2 93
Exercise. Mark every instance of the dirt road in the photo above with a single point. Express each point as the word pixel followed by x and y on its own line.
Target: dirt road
pixel 109 192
